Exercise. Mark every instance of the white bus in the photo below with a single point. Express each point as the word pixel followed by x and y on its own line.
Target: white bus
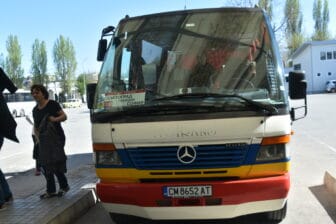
pixel 190 117
pixel 20 103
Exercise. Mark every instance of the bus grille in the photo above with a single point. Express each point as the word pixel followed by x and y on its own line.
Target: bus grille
pixel 207 156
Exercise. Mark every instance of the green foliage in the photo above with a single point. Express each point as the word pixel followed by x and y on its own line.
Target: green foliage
pixel 80 84
pixel 264 4
pixel 320 35
pixel 321 18
pixel 39 63
pixel 295 41
pixel 293 17
pixel 2 61
pixel 317 14
pixel 293 20
pixel 13 61
pixel 65 63
pixel 242 3
pixel 325 15
pixel 267 6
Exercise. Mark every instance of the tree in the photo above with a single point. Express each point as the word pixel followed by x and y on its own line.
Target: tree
pixel 13 61
pixel 65 63
pixel 264 4
pixel 278 24
pixel 39 63
pixel 321 18
pixel 243 3
pixel 267 6
pixel 2 61
pixel 325 17
pixel 80 84
pixel 293 18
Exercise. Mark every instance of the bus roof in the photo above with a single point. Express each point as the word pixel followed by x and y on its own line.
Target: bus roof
pixel 189 11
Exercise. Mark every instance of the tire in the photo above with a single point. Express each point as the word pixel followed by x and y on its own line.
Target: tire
pixel 278 215
pixel 127 219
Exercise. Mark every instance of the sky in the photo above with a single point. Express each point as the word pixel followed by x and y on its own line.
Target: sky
pixel 82 21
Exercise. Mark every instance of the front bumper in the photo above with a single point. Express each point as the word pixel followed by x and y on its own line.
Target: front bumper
pixel 229 198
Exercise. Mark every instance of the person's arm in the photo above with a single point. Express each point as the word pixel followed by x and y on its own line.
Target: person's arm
pixel 60 118
pixel 36 134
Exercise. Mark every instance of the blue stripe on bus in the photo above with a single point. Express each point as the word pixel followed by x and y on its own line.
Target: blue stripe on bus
pixel 207 156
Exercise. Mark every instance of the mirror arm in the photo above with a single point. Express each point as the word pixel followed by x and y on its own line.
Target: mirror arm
pixel 292 112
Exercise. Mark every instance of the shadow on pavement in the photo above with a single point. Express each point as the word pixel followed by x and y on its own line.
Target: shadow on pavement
pixel 326 199
pixel 24 184
pixel 248 219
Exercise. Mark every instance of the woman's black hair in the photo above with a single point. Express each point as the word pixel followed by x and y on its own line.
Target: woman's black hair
pixel 41 88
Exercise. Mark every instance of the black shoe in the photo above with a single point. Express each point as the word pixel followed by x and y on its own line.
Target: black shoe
pixel 9 199
pixel 3 207
pixel 47 195
pixel 62 191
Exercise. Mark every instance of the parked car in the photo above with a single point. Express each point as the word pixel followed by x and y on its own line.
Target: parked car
pixel 331 86
pixel 72 103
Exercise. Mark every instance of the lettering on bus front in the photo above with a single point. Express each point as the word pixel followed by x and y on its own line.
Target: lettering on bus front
pixel 125 98
pixel 201 133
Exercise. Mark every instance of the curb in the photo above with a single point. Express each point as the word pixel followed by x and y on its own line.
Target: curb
pixel 72 211
pixel 330 182
pixel 58 210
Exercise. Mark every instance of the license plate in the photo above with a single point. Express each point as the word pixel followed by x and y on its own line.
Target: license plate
pixel 187 191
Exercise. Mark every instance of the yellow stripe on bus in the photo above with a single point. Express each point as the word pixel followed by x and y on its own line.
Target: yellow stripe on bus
pixel 128 175
pixel 271 169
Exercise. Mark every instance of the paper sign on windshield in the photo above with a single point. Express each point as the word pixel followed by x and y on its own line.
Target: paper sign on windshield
pixel 125 98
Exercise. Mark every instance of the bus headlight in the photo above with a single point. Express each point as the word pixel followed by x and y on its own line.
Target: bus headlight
pixel 272 152
pixel 107 158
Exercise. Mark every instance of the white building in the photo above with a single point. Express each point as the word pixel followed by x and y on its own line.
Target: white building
pixel 318 60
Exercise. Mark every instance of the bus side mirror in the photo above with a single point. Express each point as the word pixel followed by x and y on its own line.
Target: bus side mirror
pixel 102 46
pixel 90 94
pixel 297 87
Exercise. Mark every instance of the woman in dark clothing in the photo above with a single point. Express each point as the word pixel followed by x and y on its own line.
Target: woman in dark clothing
pixel 47 116
pixel 36 156
pixel 35 149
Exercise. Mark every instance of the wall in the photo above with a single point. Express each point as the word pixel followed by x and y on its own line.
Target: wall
pixel 325 68
pixel 305 60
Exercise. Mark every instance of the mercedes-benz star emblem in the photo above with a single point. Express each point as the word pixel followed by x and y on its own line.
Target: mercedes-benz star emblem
pixel 186 154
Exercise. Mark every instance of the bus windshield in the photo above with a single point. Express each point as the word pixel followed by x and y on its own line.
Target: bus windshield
pixel 191 58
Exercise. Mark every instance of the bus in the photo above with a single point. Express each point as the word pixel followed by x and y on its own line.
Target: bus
pixel 191 118
pixel 20 103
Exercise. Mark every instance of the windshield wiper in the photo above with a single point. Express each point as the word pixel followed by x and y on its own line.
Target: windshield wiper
pixel 268 107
